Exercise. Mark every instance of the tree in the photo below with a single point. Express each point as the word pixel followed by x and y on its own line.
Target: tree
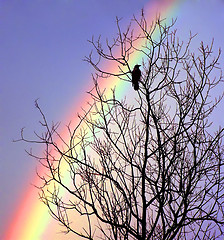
pixel 146 166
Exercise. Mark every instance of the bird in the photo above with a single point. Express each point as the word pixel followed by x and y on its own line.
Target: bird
pixel 136 75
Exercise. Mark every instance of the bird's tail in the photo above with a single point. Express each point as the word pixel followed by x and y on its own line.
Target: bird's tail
pixel 136 86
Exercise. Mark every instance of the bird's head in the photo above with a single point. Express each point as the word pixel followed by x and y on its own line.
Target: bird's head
pixel 137 66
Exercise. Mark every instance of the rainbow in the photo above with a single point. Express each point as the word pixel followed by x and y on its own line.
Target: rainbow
pixel 32 220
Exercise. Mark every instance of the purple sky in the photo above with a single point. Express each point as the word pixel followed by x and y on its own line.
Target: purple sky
pixel 42 44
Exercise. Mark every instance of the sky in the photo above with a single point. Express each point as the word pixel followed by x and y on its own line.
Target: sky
pixel 42 47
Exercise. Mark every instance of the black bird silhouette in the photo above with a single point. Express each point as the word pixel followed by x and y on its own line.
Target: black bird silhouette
pixel 136 75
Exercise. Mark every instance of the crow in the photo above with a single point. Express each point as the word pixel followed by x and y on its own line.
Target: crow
pixel 136 75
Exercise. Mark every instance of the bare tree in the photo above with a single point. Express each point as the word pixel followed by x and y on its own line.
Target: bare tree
pixel 145 166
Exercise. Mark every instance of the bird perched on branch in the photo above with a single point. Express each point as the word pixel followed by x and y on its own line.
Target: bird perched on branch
pixel 136 75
